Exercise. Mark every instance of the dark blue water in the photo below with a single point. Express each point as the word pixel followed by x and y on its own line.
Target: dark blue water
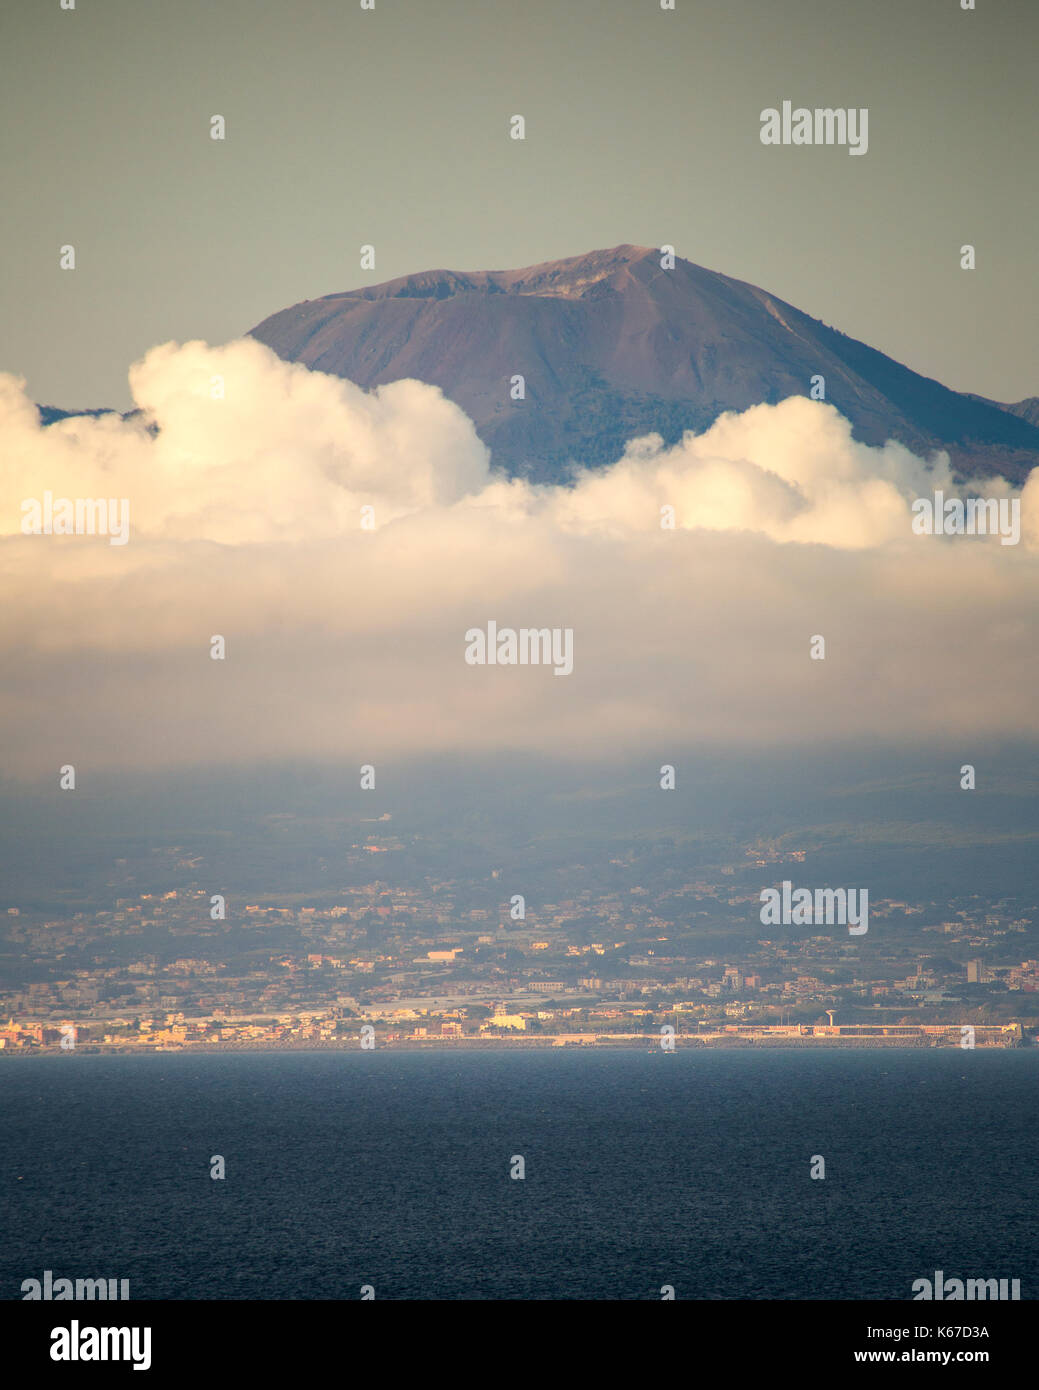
pixel 642 1169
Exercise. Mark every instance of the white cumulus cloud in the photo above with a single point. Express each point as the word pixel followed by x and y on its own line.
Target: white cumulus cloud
pixel 246 477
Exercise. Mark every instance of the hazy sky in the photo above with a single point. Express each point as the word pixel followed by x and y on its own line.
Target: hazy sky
pixel 391 127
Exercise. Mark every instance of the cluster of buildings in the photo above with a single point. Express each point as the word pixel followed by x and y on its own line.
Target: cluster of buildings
pixel 456 959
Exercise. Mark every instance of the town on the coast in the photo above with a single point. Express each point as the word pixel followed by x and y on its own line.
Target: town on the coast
pixel 620 956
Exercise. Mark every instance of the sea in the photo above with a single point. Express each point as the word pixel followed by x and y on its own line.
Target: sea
pixel 549 1174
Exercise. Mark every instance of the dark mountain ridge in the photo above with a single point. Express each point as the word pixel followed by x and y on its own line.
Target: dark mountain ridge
pixel 610 346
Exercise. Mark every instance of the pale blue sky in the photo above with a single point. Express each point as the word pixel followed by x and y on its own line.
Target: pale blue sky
pixel 391 127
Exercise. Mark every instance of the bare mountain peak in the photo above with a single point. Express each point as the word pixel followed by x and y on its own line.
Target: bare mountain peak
pixel 576 275
pixel 611 346
pixel 570 278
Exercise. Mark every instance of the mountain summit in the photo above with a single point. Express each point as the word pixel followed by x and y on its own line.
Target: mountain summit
pixel 611 346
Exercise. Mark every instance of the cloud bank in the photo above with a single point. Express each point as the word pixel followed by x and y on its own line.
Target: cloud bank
pixel 346 644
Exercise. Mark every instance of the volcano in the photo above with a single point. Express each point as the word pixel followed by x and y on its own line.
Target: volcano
pixel 610 346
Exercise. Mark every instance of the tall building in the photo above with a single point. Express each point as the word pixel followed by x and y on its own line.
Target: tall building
pixel 974 971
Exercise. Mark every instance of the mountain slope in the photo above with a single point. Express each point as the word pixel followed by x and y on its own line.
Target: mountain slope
pixel 612 346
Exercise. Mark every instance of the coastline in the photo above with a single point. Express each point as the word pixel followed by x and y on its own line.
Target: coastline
pixel 546 1044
